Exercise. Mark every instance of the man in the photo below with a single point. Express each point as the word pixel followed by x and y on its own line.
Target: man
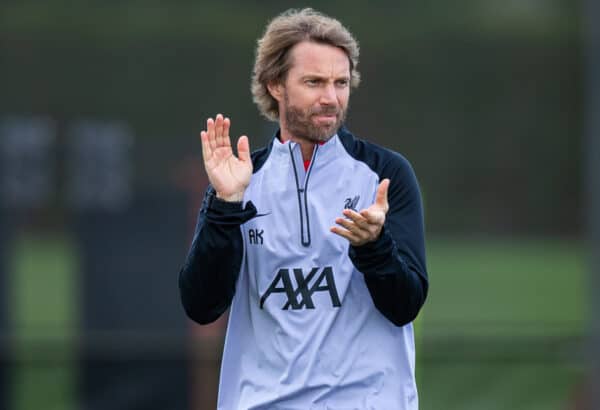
pixel 323 273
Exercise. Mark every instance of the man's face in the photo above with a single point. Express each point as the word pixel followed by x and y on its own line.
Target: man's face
pixel 314 98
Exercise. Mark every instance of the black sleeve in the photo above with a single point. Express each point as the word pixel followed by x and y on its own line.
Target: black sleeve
pixel 394 265
pixel 207 279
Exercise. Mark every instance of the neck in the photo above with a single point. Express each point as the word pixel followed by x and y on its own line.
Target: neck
pixel 307 147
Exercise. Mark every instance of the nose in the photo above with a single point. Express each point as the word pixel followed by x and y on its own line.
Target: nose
pixel 328 95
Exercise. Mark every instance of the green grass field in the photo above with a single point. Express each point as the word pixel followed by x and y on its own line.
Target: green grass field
pixel 44 318
pixel 502 328
pixel 503 325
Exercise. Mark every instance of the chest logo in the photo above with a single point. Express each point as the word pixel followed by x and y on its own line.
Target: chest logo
pixel 255 236
pixel 300 297
pixel 350 203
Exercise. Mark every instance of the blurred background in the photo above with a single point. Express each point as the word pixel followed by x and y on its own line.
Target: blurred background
pixel 101 104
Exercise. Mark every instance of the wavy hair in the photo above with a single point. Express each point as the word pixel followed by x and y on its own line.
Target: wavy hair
pixel 273 51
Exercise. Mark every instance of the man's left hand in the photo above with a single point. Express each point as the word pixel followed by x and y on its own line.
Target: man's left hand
pixel 364 226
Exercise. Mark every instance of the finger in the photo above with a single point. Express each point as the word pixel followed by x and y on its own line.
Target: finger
pixel 345 234
pixel 357 218
pixel 381 198
pixel 243 149
pixel 210 130
pixel 219 130
pixel 226 126
pixel 206 150
pixel 356 231
pixel 373 215
pixel 348 224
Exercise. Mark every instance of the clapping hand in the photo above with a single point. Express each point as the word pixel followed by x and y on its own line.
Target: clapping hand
pixel 364 226
pixel 229 175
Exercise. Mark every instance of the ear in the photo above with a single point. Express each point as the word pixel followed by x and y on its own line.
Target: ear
pixel 276 90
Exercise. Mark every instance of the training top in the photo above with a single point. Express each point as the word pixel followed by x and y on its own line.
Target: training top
pixel 315 323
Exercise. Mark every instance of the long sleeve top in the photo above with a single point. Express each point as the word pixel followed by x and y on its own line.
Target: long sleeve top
pixel 314 322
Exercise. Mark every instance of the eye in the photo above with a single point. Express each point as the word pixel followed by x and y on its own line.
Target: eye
pixel 342 83
pixel 311 82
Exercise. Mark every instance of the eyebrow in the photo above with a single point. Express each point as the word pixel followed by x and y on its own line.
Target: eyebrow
pixel 320 76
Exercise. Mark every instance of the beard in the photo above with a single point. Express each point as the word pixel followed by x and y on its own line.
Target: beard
pixel 300 124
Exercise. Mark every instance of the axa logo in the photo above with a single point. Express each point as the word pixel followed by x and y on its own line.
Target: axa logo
pixel 300 297
pixel 350 203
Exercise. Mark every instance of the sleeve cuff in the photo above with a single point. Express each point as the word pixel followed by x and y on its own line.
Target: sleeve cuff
pixel 229 213
pixel 383 244
pixel 219 205
pixel 371 258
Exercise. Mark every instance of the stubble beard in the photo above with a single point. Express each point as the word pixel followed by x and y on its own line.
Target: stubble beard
pixel 300 125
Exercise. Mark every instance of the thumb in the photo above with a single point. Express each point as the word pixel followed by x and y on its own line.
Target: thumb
pixel 381 197
pixel 243 148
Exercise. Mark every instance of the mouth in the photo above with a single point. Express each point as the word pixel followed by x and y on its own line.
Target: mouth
pixel 329 117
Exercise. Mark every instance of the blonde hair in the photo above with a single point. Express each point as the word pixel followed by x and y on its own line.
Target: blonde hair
pixel 284 32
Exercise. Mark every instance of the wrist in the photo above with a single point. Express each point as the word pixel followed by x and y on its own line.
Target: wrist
pixel 235 197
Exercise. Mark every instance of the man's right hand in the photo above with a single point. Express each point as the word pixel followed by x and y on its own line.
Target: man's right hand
pixel 229 175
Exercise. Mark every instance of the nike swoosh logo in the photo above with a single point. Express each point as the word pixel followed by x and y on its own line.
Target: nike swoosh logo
pixel 259 215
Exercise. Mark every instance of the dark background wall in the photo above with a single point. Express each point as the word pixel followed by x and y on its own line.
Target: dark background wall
pixel 484 100
pixel 101 104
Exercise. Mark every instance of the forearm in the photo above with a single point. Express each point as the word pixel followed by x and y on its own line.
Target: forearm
pixel 396 286
pixel 394 264
pixel 208 277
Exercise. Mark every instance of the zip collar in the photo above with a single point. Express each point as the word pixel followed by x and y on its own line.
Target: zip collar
pixel 325 150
